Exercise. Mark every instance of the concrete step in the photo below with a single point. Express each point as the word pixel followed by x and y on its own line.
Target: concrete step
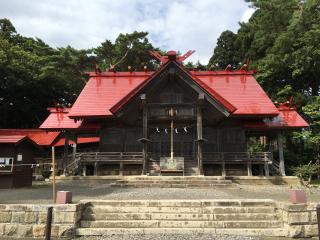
pixel 178 224
pixel 182 203
pixel 195 181
pixel 278 232
pixel 180 217
pixel 179 210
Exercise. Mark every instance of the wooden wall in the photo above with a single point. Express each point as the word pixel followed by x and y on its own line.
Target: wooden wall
pixel 21 175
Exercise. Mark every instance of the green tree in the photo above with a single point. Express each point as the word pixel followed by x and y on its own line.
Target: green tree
pixel 225 52
pixel 131 49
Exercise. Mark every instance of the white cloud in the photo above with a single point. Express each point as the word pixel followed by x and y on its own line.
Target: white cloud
pixel 177 24
pixel 247 14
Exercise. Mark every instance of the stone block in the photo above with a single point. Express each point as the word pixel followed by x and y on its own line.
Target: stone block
pixel 297 196
pixel 10 229
pixel 66 208
pixel 2 229
pixel 55 231
pixel 310 230
pixel 64 197
pixel 295 231
pixel 38 230
pixel 313 217
pixel 18 207
pixel 5 217
pixel 40 208
pixel 64 217
pixel 67 231
pixel 17 217
pixel 42 217
pixel 295 207
pixel 31 217
pixel 298 218
pixel 24 231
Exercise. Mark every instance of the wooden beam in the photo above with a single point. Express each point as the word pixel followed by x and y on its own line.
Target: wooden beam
pixel 144 132
pixel 281 157
pixel 266 169
pixel 53 175
pixel 95 169
pixel 223 169
pixel 199 134
pixel 65 152
pixel 249 168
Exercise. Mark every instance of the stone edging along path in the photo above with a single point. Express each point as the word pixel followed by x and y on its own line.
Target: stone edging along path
pixel 103 217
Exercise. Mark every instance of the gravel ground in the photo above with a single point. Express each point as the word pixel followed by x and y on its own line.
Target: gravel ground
pixel 41 192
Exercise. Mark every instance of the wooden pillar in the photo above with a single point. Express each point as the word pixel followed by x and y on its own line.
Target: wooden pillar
pixel 144 139
pixel 281 158
pixel 95 168
pixel 223 168
pixel 74 148
pixel 199 134
pixel 65 152
pixel 266 169
pixel 84 170
pixel 249 168
pixel 260 170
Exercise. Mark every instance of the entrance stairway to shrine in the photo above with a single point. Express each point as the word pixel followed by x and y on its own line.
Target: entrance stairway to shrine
pixel 238 217
pixel 190 167
pixel 173 182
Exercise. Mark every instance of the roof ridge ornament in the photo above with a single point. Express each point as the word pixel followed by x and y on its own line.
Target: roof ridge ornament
pixel 171 56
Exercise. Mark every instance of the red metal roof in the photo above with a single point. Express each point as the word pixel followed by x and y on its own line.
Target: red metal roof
pixel 211 91
pixel 102 92
pixel 81 140
pixel 237 90
pixel 12 139
pixel 40 137
pixel 288 118
pixel 241 90
pixel 59 120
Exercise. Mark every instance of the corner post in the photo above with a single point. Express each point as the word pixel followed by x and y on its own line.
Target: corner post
pixel 199 133
pixel 144 132
pixel 281 158
pixel 65 152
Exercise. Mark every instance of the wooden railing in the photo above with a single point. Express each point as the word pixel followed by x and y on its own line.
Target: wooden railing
pixel 237 157
pixel 110 157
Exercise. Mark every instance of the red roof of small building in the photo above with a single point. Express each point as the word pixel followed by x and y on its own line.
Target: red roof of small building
pixel 12 139
pixel 58 119
pixel 40 137
pixel 288 118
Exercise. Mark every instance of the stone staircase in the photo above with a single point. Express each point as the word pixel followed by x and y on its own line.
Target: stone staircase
pixel 236 217
pixel 173 182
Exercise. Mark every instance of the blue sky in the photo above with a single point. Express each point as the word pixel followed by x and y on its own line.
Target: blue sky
pixel 172 24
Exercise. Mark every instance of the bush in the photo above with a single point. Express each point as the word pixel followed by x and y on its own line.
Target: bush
pixel 46 173
pixel 307 171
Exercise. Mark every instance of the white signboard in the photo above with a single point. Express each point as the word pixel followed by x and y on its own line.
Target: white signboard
pixel 19 157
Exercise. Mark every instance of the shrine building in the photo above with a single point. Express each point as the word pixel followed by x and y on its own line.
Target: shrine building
pixel 174 121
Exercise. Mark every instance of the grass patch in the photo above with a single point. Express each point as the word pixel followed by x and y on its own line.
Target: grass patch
pixel 315 182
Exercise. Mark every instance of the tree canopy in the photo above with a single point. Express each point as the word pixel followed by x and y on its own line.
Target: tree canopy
pixel 281 40
pixel 34 75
